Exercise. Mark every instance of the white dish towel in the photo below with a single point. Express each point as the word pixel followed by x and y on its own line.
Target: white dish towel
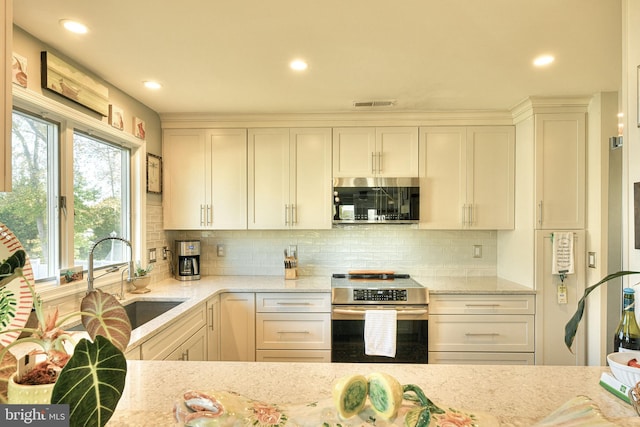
pixel 380 332
pixel 562 253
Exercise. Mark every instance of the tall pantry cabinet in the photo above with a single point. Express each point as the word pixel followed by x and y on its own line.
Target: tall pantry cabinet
pixel 289 178
pixel 205 179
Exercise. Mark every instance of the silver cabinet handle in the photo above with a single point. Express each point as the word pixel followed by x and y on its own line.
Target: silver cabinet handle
pixel 464 215
pixel 293 332
pixel 379 162
pixel 482 305
pixel 540 213
pixel 470 215
pixel 373 164
pixel 211 325
pixel 202 215
pixel 488 334
pixel 294 303
pixel 286 214
pixel 294 214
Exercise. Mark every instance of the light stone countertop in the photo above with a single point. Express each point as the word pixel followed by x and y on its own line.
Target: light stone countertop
pixel 196 292
pixel 515 395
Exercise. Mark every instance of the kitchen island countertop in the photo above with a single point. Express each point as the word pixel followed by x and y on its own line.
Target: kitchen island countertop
pixel 515 395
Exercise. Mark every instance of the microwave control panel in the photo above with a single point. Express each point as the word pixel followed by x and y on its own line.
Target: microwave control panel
pixel 380 295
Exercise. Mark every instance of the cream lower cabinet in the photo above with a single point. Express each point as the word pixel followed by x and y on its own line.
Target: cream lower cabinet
pixel 482 329
pixel 184 340
pixel 237 326
pixel 213 328
pixel 467 177
pixel 294 327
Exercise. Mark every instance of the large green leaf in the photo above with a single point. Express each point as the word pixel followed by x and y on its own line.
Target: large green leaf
pixel 92 382
pixel 104 315
pixel 571 327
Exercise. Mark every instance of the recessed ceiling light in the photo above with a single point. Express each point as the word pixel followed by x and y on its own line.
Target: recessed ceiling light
pixel 543 60
pixel 298 65
pixel 149 84
pixel 74 26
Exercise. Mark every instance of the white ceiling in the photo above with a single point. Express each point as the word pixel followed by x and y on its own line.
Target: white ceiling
pixel 217 56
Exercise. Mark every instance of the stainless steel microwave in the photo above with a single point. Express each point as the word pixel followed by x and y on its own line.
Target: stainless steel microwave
pixel 376 200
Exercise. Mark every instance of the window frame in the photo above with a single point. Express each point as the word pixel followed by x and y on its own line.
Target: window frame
pixel 71 120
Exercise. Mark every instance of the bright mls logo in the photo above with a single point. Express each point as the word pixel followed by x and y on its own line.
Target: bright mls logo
pixel 34 415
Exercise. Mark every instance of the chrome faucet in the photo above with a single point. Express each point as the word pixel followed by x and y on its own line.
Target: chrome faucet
pixel 130 276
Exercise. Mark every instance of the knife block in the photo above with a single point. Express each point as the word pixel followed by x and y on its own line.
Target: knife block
pixel 291 273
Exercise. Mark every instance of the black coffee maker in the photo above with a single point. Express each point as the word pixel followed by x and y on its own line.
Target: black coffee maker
pixel 187 260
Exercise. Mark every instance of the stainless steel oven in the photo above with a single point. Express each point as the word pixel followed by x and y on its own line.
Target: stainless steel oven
pixel 353 294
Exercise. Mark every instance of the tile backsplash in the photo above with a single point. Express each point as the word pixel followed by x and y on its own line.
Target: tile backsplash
pixel 401 248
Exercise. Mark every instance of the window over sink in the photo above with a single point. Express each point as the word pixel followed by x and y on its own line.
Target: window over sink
pixel 69 190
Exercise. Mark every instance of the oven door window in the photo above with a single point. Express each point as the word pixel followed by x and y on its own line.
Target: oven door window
pixel 347 344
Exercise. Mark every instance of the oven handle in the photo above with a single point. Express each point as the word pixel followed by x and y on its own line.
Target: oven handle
pixel 400 312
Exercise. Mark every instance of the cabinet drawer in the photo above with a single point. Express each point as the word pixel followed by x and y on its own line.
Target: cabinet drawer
pixel 298 302
pixel 293 356
pixel 481 333
pixel 482 304
pixel 474 358
pixel 167 341
pixel 301 331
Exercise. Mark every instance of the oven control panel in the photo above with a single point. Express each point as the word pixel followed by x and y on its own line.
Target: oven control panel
pixel 380 295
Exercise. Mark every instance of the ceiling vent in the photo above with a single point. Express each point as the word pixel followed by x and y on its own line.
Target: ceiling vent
pixel 374 104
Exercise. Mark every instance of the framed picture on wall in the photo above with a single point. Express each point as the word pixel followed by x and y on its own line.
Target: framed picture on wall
pixel 154 174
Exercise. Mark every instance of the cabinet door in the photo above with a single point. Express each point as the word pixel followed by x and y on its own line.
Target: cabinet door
pixel 194 348
pixel 475 358
pixel 560 170
pixel 6 48
pixel 268 170
pixel 397 151
pixel 310 172
pixel 228 184
pixel 237 326
pixel 295 331
pixel 552 315
pixel 185 171
pixel 480 333
pixel 490 177
pixel 353 152
pixel 213 328
pixel 442 177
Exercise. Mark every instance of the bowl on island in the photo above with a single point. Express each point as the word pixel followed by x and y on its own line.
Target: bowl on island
pixel 618 362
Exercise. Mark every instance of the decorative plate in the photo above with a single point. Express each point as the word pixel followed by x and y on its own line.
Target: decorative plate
pixel 224 408
pixel 15 298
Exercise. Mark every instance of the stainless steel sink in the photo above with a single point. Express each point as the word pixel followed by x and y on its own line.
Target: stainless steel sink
pixel 141 312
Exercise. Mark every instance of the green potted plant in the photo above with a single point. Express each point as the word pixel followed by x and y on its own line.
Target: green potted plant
pixel 142 278
pixel 77 378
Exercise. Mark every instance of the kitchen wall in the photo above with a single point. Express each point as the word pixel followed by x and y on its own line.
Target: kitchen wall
pixel 322 252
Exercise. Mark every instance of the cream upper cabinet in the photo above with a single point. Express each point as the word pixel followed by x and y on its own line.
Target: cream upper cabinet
pixel 289 178
pixel 205 179
pixel 6 21
pixel 560 141
pixel 381 151
pixel 467 177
